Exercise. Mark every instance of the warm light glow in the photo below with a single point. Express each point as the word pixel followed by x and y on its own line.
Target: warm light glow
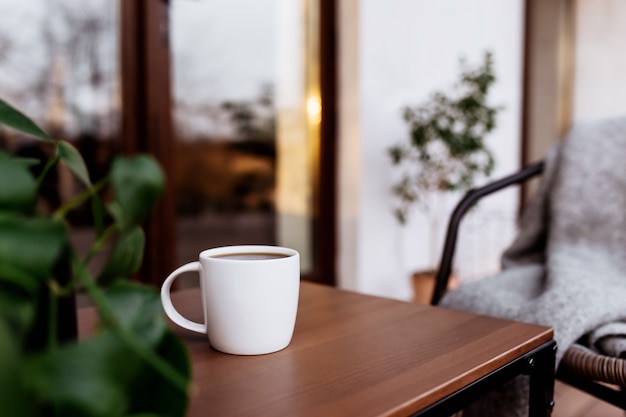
pixel 314 109
pixel 298 121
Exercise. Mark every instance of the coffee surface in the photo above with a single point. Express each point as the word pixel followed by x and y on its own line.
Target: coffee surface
pixel 253 256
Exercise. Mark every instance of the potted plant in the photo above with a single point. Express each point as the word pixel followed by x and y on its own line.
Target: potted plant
pixel 446 149
pixel 134 364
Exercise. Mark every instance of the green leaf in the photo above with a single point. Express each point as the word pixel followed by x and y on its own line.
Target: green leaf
pixel 126 256
pixel 74 161
pixel 14 398
pixel 17 309
pixel 138 308
pixel 90 378
pixel 97 208
pixel 153 392
pixel 15 119
pixel 29 249
pixel 116 212
pixel 14 275
pixel 27 162
pixel 18 187
pixel 137 183
pixel 396 154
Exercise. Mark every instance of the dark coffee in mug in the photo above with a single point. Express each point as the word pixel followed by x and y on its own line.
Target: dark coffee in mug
pixel 250 256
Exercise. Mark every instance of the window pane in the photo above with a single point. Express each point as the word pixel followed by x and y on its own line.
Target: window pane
pixel 244 145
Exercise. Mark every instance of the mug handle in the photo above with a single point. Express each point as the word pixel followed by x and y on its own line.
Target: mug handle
pixel 166 299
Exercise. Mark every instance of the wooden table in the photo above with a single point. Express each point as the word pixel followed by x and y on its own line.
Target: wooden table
pixel 353 354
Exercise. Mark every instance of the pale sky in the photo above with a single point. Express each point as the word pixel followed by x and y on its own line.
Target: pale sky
pixel 223 49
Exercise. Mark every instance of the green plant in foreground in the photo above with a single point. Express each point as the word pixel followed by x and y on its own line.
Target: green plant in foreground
pixel 446 150
pixel 133 365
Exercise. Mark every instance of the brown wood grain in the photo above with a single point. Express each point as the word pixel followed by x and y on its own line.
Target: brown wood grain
pixel 352 354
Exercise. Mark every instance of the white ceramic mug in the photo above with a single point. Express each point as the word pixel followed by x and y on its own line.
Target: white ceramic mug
pixel 249 296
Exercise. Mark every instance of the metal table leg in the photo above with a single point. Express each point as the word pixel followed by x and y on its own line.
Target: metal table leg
pixel 542 374
pixel 539 364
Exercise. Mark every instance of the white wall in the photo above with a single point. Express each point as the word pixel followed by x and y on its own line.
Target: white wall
pixel 600 62
pixel 395 53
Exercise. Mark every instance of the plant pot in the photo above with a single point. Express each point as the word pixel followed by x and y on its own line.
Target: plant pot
pixel 424 285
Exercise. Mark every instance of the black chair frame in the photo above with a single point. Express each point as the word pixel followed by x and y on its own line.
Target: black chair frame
pixel 468 201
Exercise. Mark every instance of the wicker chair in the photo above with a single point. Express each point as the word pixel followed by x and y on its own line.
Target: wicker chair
pixel 601 376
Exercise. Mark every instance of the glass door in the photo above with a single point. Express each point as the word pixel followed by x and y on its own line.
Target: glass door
pixel 247 111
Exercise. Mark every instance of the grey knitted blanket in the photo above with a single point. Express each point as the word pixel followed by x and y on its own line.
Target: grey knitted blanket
pixel 567 267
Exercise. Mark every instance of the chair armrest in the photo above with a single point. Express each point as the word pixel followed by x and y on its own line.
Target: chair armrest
pixel 470 198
